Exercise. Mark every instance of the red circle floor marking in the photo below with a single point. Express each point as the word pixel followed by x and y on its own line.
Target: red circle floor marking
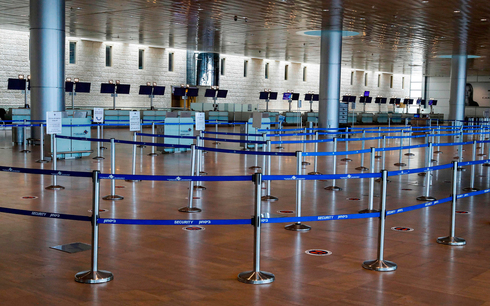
pixel 100 210
pixel 193 228
pixel 463 212
pixel 408 189
pixel 120 187
pixel 353 199
pixel 29 197
pixel 402 229
pixel 318 252
pixel 286 212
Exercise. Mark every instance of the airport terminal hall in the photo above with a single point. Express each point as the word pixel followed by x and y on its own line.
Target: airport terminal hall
pixel 258 152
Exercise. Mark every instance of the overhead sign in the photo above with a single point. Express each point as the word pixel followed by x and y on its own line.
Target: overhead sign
pixel 200 121
pixel 134 121
pixel 257 120
pixel 98 115
pixel 53 123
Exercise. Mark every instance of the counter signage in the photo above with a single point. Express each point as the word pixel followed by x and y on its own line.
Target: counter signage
pixel 53 123
pixel 200 121
pixel 134 121
pixel 98 115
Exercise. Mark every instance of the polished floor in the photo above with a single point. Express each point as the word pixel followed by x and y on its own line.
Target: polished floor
pixel 165 265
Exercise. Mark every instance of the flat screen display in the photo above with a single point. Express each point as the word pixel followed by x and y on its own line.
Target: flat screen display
pixel 68 86
pixel 210 93
pixel 369 99
pixel 287 96
pixel 377 100
pixel 273 95
pixel 107 88
pixel 316 97
pixel 123 89
pixel 352 99
pixel 295 96
pixel 264 95
pixel 308 97
pixel 82 87
pixel 179 91
pixel 408 101
pixel 193 92
pixel 383 100
pixel 366 93
pixel 145 90
pixel 16 84
pixel 432 102
pixel 392 100
pixel 158 90
pixel 222 93
pixel 345 98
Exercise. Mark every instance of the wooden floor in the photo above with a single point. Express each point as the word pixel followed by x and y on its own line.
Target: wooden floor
pixel 165 265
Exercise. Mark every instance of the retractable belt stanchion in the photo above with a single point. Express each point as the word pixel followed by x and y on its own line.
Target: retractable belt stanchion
pixel 113 196
pixel 199 161
pixel 268 196
pixel 153 140
pixel 409 153
pixel 438 151
pixel 133 162
pixel 298 226
pixel 24 142
pixel 191 208
pixel 54 151
pixel 460 149
pixel 346 158
pixel 255 166
pixel 41 149
pixel 400 163
pixel 472 175
pixel 379 141
pixel 99 156
pixel 264 148
pixel 315 158
pixel 280 138
pixel 452 239
pixel 102 147
pixel 361 167
pixel 383 153
pixel 488 154
pixel 256 276
pixel 304 163
pixel 379 264
pixel 482 146
pixel 370 208
pixel 216 130
pixel 428 178
pixel 94 275
pixel 333 187
pixel 427 158
pixel 141 136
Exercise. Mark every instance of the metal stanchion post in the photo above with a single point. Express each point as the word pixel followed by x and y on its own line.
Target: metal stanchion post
pixel 379 264
pixel 298 226
pixel 472 175
pixel 315 158
pixel 346 158
pixel 428 177
pixel 94 275
pixel 201 165
pixel 256 166
pixel 361 167
pixel 199 159
pixel 113 196
pixel 384 153
pixel 141 136
pixel 133 168
pixel 304 163
pixel 216 130
pixel 370 208
pixel 264 148
pixel 256 276
pixel 379 142
pixel 400 163
pixel 410 143
pixel 482 144
pixel 333 187
pixel 488 154
pixel 191 208
pixel 99 156
pixel 41 147
pixel 268 196
pixel 54 151
pixel 280 128
pixel 24 142
pixel 452 239
pixel 102 136
pixel 153 140
pixel 438 140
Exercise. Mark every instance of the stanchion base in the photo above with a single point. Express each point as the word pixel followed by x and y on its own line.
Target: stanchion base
pixel 306 163
pixel 279 147
pixel 314 173
pixel 346 160
pixel 368 211
pixel 199 188
pixel 203 173
pixel 470 189
pixel 461 169
pixel 113 197
pixel 378 156
pixel 98 157
pixel 451 240
pixel 255 167
pixel 103 148
pixel 400 164
pixel 379 266
pixel 269 198
pixel 55 187
pixel 433 160
pixel 138 146
pixel 332 188
pixel 132 181
pixel 422 174
pixel 190 209
pixel 153 154
pixel 362 168
pixel 426 198
pixel 482 154
pixel 298 227
pixel 42 161
pixel 25 151
pixel 409 154
pixel 216 143
pixel 89 277
pixel 256 278
pixel 486 165
pixel 378 180
pixel 437 152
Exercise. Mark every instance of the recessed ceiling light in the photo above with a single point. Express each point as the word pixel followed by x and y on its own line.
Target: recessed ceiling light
pixel 483 19
pixel 199 9
pixel 456 11
pixel 362 18
pixel 425 1
pixel 326 10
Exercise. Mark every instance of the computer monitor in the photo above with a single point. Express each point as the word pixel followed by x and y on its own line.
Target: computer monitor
pixel 145 90
pixel 352 99
pixel 158 90
pixel 193 92
pixel 107 88
pixel 16 84
pixel 123 89
pixel 432 102
pixel 316 97
pixel 366 94
pixel 210 93
pixel 264 95
pixel 179 91
pixel 308 97
pixel 287 96
pixel 345 98
pixel 222 93
pixel 82 87
pixel 68 86
pixel 295 96
pixel 273 95
pixel 383 100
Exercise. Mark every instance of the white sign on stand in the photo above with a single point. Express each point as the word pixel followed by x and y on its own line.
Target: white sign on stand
pixel 200 121
pixel 257 120
pixel 134 121
pixel 98 115
pixel 53 123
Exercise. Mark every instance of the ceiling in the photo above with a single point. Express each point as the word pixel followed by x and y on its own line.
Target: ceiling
pixel 394 35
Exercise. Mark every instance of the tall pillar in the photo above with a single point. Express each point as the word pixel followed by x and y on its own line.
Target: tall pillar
pixel 47 56
pixel 458 87
pixel 330 62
